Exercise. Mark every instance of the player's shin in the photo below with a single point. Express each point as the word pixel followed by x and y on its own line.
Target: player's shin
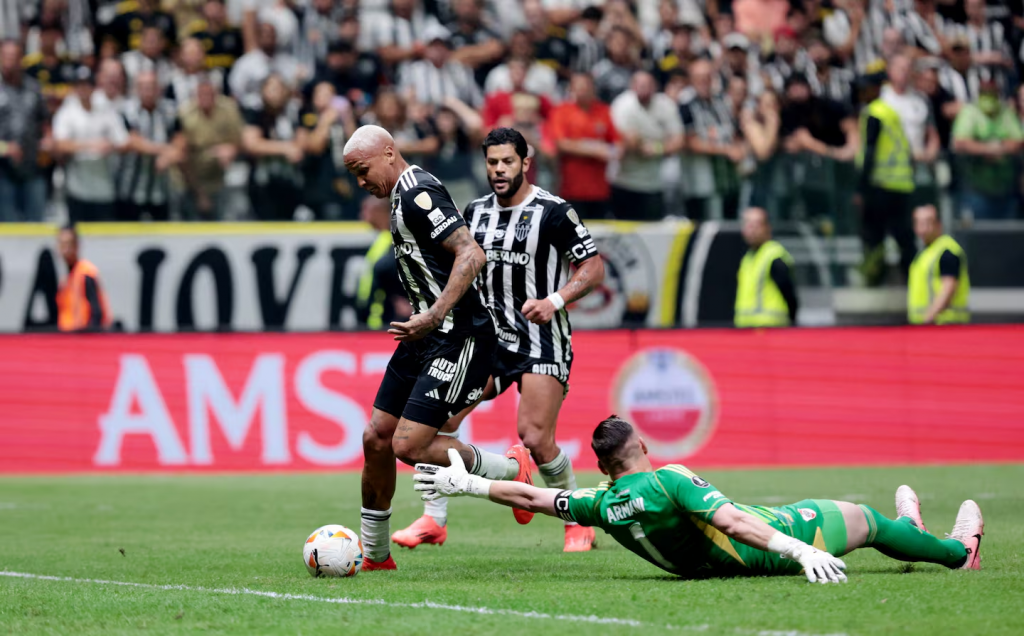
pixel 900 539
pixel 493 466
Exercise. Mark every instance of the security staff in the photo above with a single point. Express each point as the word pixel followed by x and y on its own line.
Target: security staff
pixel 765 292
pixel 939 286
pixel 886 182
pixel 380 298
pixel 81 303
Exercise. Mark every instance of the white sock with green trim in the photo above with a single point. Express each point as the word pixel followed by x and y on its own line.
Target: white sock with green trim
pixel 557 473
pixel 493 466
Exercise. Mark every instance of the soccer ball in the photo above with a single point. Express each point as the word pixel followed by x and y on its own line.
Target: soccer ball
pixel 333 551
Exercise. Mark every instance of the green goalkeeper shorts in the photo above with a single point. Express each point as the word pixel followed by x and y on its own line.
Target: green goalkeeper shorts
pixel 818 522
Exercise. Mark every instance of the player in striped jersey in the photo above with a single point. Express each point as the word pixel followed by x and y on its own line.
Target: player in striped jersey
pixel 445 348
pixel 530 238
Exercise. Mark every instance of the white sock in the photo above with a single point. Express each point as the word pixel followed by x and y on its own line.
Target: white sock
pixel 557 473
pixel 493 466
pixel 438 508
pixel 375 531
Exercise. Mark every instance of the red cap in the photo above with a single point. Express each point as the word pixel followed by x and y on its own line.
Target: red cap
pixel 785 31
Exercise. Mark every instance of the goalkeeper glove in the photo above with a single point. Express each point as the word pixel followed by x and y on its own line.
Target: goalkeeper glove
pixel 434 482
pixel 819 566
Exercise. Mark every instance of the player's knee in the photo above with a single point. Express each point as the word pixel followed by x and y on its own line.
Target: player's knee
pixel 538 439
pixel 373 440
pixel 409 451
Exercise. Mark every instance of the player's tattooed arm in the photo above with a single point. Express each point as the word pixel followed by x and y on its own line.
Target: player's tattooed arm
pixel 587 277
pixel 469 260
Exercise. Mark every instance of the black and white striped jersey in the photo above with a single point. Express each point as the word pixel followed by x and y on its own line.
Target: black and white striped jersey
pixel 529 248
pixel 422 217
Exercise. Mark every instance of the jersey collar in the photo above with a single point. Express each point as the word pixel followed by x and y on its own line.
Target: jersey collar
pixel 529 199
pixel 394 190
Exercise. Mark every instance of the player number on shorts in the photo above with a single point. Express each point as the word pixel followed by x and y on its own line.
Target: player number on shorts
pixel 640 537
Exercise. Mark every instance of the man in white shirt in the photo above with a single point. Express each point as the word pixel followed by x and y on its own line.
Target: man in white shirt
pixel 251 69
pixel 651 129
pixel 437 77
pixel 918 122
pixel 88 136
pixel 541 79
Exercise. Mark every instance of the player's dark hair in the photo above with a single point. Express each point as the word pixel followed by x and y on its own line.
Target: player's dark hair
pixel 510 136
pixel 609 438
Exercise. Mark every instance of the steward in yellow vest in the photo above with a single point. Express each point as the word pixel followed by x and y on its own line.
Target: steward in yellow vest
pixel 886 185
pixel 765 291
pixel 939 286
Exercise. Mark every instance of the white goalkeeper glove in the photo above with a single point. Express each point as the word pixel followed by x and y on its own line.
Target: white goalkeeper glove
pixel 434 482
pixel 819 566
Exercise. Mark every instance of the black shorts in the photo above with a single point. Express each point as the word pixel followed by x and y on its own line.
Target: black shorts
pixel 508 369
pixel 429 381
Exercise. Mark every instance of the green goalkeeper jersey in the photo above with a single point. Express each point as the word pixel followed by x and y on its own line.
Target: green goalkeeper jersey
pixel 665 517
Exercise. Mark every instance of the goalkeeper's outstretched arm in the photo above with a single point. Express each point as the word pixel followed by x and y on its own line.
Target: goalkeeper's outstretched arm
pixel 455 481
pixel 523 496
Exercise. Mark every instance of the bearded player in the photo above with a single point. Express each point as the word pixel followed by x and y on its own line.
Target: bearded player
pixel 445 348
pixel 682 524
pixel 530 238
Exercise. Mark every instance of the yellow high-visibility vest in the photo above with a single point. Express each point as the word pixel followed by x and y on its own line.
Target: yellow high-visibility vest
pixel 893 169
pixel 924 284
pixel 379 248
pixel 759 303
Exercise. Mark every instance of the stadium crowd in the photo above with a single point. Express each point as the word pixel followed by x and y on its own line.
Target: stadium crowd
pixel 236 109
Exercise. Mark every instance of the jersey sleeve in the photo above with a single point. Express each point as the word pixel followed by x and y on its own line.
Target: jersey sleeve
pixel 568 234
pixel 430 212
pixel 582 505
pixel 689 493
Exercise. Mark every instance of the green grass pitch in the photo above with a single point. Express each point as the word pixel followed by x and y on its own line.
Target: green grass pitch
pixel 224 539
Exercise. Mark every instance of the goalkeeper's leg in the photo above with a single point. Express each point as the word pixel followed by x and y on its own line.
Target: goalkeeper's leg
pixel 899 539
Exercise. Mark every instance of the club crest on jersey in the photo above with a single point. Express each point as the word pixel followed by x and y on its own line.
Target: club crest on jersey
pixel 423 200
pixel 523 228
pixel 807 514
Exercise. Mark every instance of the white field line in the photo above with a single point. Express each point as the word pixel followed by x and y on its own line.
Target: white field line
pixel 597 620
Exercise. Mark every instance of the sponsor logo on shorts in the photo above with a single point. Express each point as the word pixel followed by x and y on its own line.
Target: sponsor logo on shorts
pixel 807 514
pixel 508 336
pixel 671 399
pixel 433 394
pixel 508 257
pixel 474 395
pixel 698 482
pixel 441 369
pixel 444 226
pixel 550 368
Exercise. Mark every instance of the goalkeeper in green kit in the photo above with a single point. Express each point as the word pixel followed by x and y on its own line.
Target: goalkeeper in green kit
pixel 682 524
